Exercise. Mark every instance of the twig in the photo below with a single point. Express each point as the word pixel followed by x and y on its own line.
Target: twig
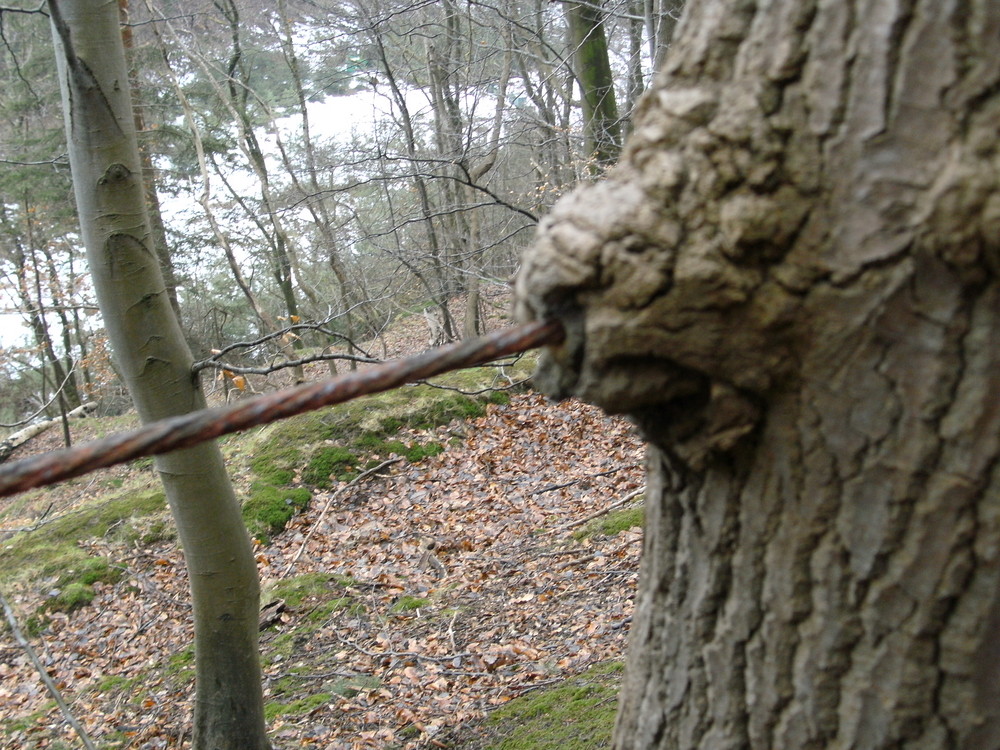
pixel 399 654
pixel 490 389
pixel 451 630
pixel 288 364
pixel 326 507
pixel 554 487
pixel 49 684
pixel 561 553
pixel 524 688
pixel 614 506
pixel 58 392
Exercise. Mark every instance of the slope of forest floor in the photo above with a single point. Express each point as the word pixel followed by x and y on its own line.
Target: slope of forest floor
pixel 400 608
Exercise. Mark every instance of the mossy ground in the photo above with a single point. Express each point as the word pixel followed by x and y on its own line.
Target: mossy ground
pixel 51 555
pixel 268 508
pixel 286 461
pixel 577 714
pixel 613 523
pixel 314 598
pixel 336 444
pixel 407 603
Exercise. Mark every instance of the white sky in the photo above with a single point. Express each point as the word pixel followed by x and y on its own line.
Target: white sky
pixel 339 118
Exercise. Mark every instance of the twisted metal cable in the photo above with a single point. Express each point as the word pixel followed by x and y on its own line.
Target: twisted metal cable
pixel 190 429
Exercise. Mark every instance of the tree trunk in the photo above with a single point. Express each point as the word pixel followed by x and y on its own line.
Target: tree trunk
pixel 597 89
pixel 635 83
pixel 156 225
pixel 156 364
pixel 284 263
pixel 791 283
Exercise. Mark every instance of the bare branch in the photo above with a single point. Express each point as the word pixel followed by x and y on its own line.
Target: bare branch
pixel 50 685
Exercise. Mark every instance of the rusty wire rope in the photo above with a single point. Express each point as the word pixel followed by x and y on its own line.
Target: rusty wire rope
pixel 190 429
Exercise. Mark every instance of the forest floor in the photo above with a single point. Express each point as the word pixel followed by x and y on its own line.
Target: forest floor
pixel 399 610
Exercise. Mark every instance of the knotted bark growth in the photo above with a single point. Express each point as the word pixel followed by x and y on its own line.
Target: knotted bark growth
pixel 791 283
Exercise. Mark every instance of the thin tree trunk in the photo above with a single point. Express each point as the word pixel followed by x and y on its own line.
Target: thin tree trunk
pixel 597 90
pixel 634 26
pixel 792 282
pixel 284 263
pixel 32 301
pixel 156 364
pixel 349 293
pixel 159 237
pixel 265 321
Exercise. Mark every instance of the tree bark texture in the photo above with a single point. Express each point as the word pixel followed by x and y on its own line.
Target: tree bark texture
pixel 791 282
pixel 156 364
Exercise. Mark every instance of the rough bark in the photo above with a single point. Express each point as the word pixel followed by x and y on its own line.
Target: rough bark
pixel 791 283
pixel 156 364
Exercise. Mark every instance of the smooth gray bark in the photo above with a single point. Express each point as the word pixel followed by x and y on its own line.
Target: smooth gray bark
pixel 155 362
pixel 791 282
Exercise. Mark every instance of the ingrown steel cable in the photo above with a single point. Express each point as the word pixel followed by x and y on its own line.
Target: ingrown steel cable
pixel 190 429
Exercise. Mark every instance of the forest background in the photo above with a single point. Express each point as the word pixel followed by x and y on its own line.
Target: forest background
pixel 316 169
pixel 314 174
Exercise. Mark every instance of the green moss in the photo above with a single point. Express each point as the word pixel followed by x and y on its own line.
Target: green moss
pixel 351 686
pixel 321 613
pixel 577 715
pixel 413 452
pixel 156 530
pixel 297 590
pixel 417 452
pixel 300 706
pixel 36 624
pixel 53 549
pixel 72 596
pixel 343 464
pixel 342 440
pixel 613 668
pixel 269 508
pixel 182 658
pixel 23 723
pixel 280 648
pixel 75 586
pixel 180 666
pixel 275 463
pixel 613 523
pixel 110 683
pixel 326 462
pixel 96 569
pixel 359 431
pixel 408 603
pixel 499 397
